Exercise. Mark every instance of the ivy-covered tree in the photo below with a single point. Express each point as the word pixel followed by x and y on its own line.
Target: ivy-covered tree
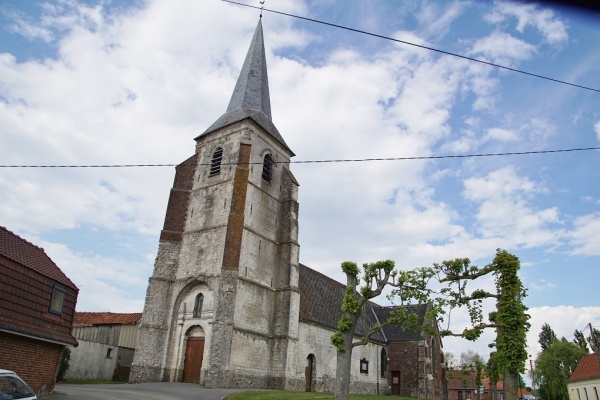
pixel 580 341
pixel 547 336
pixel 510 319
pixel 375 277
pixel 554 366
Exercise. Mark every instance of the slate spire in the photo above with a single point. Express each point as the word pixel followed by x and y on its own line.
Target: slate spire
pixel 252 87
pixel 250 98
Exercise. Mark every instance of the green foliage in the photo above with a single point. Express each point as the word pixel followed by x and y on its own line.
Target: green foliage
pixel 64 364
pixel 579 340
pixel 350 268
pixel 344 324
pixel 350 303
pixel 547 336
pixel 555 365
pixel 338 341
pixel 594 340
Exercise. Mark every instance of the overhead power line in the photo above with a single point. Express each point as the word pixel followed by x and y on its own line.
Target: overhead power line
pixel 415 45
pixel 520 153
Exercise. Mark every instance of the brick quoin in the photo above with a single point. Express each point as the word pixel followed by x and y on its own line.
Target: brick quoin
pixel 35 361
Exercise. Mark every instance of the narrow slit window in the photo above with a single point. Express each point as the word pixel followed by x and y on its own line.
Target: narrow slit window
pixel 215 164
pixel 198 305
pixel 267 173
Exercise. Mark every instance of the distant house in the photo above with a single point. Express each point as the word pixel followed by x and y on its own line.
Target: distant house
pixel 523 393
pixel 461 385
pixel 584 384
pixel 106 345
pixel 37 303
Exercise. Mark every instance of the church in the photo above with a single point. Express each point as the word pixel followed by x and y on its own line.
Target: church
pixel 228 303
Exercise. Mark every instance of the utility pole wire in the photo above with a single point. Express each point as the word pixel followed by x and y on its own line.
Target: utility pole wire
pixel 416 45
pixel 317 161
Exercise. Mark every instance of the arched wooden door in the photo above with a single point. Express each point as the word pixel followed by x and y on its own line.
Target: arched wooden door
pixel 194 353
pixel 308 373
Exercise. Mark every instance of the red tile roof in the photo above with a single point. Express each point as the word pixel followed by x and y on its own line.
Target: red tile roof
pixel 588 368
pixel 105 318
pixel 31 256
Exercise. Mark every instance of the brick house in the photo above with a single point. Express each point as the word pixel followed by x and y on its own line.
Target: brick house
pixel 37 303
pixel 106 345
pixel 584 384
pixel 461 385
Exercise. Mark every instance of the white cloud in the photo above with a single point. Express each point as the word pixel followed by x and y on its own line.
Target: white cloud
pixel 505 211
pixel 502 135
pixel 597 130
pixel 544 20
pixel 586 235
pixel 503 48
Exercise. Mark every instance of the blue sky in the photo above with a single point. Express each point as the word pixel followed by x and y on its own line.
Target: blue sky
pixel 133 82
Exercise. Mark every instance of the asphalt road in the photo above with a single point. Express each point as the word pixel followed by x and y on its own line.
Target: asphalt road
pixel 142 391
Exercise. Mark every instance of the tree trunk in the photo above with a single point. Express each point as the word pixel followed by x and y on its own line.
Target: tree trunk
pixel 511 385
pixel 343 366
pixel 493 390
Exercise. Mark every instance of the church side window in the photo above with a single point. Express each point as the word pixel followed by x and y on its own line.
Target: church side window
pixel 383 363
pixel 267 173
pixel 215 163
pixel 198 305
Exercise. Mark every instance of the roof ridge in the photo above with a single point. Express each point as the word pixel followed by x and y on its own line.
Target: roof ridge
pixel 23 239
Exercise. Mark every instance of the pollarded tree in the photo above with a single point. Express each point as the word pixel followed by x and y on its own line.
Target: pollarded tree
pixel 547 336
pixel 510 318
pixel 376 276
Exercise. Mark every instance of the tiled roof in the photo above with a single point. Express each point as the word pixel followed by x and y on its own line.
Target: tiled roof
pixel 588 368
pixel 31 256
pixel 321 301
pixel 105 318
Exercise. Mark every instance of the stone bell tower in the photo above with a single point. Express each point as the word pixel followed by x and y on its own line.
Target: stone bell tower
pixel 222 303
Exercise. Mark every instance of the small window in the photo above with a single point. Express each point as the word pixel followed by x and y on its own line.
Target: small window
pixel 586 395
pixel 578 395
pixel 468 395
pixel 364 366
pixel 198 305
pixel 383 363
pixel 460 395
pixel 268 162
pixel 596 392
pixel 108 352
pixel 57 299
pixel 215 163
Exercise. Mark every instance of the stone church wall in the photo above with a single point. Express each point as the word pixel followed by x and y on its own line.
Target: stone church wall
pixel 314 340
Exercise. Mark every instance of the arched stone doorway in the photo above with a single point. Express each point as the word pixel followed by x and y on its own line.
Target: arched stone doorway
pixel 194 354
pixel 309 373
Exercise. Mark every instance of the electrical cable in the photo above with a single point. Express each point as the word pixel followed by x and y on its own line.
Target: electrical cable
pixel 415 45
pixel 319 161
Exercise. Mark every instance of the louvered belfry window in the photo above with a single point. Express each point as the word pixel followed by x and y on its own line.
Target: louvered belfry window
pixel 215 163
pixel 267 173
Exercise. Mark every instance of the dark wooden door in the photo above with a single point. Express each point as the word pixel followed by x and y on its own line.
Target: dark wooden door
pixel 396 383
pixel 308 373
pixel 194 352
